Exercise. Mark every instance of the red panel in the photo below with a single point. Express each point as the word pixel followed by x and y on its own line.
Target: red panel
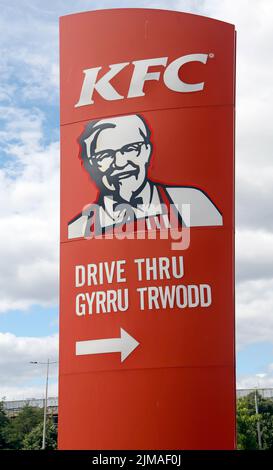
pixel 176 389
pixel 115 36
pixel 174 408
pixel 190 336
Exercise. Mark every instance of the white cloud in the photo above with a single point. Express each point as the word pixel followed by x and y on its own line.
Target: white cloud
pixel 15 369
pixel 27 392
pixel 254 308
pixel 29 224
pixel 252 381
pixel 254 254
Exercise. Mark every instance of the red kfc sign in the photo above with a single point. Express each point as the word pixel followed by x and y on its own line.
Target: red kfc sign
pixel 147 224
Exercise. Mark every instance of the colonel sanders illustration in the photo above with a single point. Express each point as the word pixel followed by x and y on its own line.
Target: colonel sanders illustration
pixel 116 152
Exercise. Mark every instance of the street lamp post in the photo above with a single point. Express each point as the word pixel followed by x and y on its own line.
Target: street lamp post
pixel 259 432
pixel 46 394
pixel 45 407
pixel 258 421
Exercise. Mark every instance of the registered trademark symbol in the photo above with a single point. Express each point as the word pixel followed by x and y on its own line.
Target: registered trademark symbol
pixel 211 55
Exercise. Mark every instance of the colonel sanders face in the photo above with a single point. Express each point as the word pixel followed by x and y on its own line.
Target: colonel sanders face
pixel 116 153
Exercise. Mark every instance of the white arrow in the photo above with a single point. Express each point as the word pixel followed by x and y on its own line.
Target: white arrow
pixel 125 345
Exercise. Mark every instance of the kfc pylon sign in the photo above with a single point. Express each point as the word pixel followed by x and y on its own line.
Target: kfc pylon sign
pixel 147 231
pixel 141 74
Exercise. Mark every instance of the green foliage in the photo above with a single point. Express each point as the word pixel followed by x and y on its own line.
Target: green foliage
pixel 33 440
pixel 4 421
pixel 246 426
pixel 247 422
pixel 25 431
pixel 18 427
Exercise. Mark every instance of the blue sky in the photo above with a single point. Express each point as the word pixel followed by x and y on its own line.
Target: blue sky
pixel 29 189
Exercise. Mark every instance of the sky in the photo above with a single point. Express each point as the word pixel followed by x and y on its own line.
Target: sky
pixel 29 185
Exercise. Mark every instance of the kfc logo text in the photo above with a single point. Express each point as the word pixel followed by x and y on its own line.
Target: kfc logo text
pixel 140 75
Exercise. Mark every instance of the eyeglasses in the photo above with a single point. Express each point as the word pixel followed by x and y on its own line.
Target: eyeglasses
pixel 129 150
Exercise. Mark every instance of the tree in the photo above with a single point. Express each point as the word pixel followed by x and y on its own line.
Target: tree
pixel 247 422
pixel 266 420
pixel 27 419
pixel 33 440
pixel 246 426
pixel 4 421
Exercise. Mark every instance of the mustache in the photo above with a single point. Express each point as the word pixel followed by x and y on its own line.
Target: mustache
pixel 113 174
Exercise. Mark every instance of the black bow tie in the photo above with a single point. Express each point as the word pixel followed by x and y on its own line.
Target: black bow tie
pixel 137 201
